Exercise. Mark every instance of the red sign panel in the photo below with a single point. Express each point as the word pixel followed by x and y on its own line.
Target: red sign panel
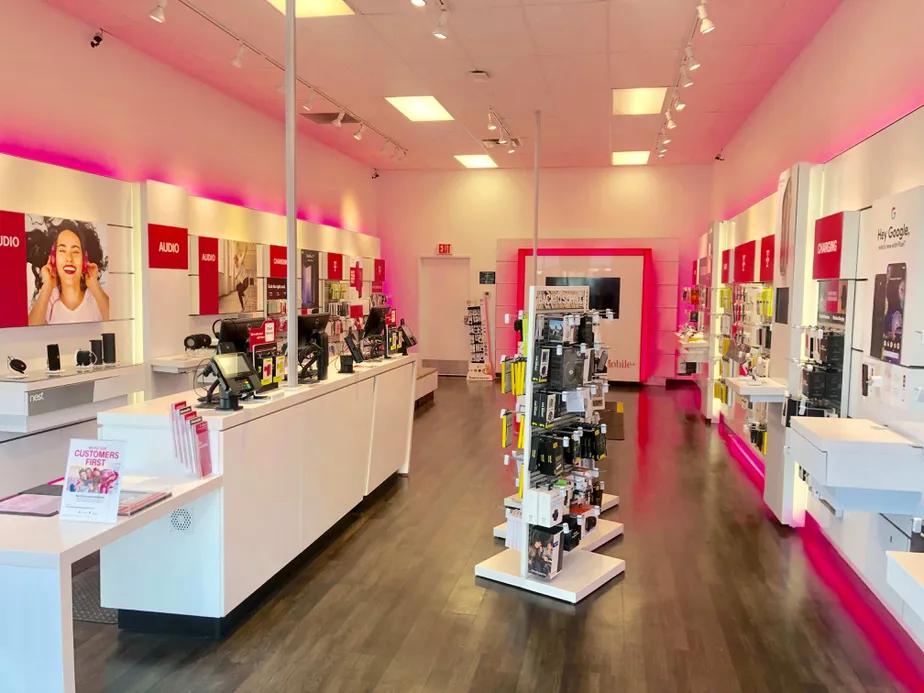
pixel 14 309
pixel 379 271
pixel 208 276
pixel 695 270
pixel 378 288
pixel 356 278
pixel 356 312
pixel 744 261
pixel 335 266
pixel 444 249
pixel 278 266
pixel 767 244
pixel 726 260
pixel 829 233
pixel 168 247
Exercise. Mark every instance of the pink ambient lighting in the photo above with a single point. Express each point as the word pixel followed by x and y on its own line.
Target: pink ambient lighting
pixel 647 286
pixel 897 651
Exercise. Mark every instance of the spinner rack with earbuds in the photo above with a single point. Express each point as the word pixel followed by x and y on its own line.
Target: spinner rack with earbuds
pixel 551 536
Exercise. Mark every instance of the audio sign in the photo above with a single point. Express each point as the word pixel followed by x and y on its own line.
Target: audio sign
pixel 168 247
pixel 208 276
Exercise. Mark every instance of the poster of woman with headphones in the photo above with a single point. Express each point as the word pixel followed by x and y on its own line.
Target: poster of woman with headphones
pixel 67 261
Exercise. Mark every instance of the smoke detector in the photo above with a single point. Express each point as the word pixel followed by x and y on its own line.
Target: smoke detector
pixel 479 76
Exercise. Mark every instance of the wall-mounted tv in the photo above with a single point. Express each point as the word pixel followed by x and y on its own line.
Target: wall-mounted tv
pixel 604 291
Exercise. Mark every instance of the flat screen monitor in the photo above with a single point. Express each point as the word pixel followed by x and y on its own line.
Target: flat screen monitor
pixel 604 291
pixel 236 331
pixel 311 324
pixel 375 323
pixel 408 336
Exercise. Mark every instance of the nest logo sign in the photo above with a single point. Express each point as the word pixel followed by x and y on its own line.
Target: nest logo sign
pixel 168 247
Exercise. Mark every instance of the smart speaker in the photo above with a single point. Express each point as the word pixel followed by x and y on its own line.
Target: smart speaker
pixel 96 346
pixel 109 348
pixel 54 357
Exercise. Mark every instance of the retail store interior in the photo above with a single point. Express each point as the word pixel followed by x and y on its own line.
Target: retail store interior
pixel 462 345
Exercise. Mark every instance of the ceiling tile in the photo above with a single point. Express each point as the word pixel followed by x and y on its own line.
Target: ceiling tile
pixel 492 32
pixel 643 68
pixel 568 29
pixel 649 25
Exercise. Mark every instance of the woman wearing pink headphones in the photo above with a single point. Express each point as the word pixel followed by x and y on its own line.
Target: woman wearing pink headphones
pixel 70 290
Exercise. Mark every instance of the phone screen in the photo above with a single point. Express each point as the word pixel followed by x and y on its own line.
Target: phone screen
pixel 876 329
pixel 893 322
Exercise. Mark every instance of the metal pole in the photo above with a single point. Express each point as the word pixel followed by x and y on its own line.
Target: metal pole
pixel 292 293
pixel 536 204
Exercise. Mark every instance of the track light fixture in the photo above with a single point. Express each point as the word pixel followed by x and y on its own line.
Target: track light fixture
pixel 384 150
pixel 238 59
pixel 666 139
pixel 492 121
pixel 358 135
pixel 692 62
pixel 310 102
pixel 338 121
pixel 440 30
pixel 419 3
pixel 514 143
pixel 661 154
pixel 401 154
pixel 670 121
pixel 685 79
pixel 502 138
pixel 678 105
pixel 157 14
pixel 705 24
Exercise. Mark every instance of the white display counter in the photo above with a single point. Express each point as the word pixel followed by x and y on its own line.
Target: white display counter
pixel 760 390
pixel 286 470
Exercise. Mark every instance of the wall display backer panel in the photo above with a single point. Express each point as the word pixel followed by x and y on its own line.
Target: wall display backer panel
pixel 726 266
pixel 226 276
pixel 311 278
pixel 744 261
pixel 835 246
pixel 892 260
pixel 765 259
pixel 616 283
pixel 60 270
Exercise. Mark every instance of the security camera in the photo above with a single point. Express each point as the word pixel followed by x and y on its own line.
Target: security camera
pixel 375 173
pixel 97 39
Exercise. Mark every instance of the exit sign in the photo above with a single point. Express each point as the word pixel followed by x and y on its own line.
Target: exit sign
pixel 444 249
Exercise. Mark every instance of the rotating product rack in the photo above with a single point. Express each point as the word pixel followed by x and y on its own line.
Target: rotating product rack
pixel 582 571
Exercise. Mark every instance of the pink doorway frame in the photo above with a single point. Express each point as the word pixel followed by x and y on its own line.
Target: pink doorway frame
pixel 647 292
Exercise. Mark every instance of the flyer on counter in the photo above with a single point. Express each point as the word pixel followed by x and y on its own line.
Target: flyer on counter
pixel 92 481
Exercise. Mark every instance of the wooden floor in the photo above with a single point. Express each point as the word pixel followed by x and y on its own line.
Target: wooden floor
pixel 715 599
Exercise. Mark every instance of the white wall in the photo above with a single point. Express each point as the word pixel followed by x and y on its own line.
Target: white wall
pixel 860 73
pixel 117 112
pixel 488 214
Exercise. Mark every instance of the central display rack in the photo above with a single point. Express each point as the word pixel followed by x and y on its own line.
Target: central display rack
pixel 552 539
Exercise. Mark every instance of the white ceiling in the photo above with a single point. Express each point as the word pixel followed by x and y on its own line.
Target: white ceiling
pixel 559 56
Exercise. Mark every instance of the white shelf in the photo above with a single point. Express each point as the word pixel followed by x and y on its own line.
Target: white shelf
pixel 604 532
pixel 857 464
pixel 583 572
pixel 905 575
pixel 761 390
pixel 39 402
pixel 180 363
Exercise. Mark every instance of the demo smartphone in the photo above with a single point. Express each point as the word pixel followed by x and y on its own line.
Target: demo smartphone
pixel 353 346
pixel 877 323
pixel 894 312
pixel 236 373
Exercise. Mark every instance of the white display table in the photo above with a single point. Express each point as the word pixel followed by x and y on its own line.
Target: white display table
pixel 287 469
pixel 36 628
pixel 760 390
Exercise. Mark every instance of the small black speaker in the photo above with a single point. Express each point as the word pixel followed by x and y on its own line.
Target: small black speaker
pixel 96 346
pixel 109 347
pixel 54 357
pixel 197 341
pixel 84 358
pixel 17 365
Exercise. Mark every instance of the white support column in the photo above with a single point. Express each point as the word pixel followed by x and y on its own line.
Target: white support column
pixel 536 201
pixel 292 293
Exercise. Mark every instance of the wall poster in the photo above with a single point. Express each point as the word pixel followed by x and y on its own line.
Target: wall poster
pixel 310 278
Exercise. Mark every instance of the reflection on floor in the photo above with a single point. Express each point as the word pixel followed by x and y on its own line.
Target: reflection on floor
pixel 716 598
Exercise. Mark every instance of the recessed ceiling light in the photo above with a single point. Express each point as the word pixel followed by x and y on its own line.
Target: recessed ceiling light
pixel 476 160
pixel 630 158
pixel 419 3
pixel 644 101
pixel 314 8
pixel 419 108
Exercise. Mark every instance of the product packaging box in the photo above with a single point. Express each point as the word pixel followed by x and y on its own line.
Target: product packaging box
pixel 545 551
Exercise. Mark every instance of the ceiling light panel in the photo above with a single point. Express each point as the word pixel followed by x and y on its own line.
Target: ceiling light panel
pixel 419 108
pixel 476 161
pixel 630 158
pixel 314 8
pixel 644 101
